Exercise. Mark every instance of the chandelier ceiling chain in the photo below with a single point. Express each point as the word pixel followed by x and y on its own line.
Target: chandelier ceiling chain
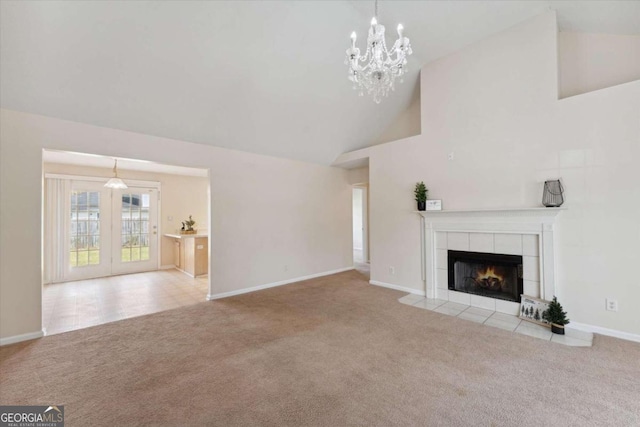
pixel 376 71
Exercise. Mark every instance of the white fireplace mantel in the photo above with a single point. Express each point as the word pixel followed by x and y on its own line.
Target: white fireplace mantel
pixel 548 213
pixel 536 221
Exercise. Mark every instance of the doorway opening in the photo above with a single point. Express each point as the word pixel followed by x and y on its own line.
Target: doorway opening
pixel 360 212
pixel 108 253
pixel 94 231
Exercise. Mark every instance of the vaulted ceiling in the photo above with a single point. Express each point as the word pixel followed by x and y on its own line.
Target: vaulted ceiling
pixel 263 77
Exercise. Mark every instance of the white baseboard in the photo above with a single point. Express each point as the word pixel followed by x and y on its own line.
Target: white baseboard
pixel 167 267
pixel 274 284
pixel 398 288
pixel 19 338
pixel 604 331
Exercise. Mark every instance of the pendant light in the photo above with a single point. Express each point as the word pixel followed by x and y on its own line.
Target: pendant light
pixel 116 182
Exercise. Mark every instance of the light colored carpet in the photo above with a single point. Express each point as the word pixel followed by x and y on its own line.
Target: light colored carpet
pixel 332 351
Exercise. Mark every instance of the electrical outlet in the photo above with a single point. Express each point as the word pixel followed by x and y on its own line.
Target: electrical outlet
pixel 451 156
pixel 286 268
pixel 392 270
pixel 612 304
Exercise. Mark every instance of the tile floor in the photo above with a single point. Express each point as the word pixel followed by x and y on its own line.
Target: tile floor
pixel 507 322
pixel 76 305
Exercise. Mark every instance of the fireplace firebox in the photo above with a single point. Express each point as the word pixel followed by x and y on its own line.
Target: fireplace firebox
pixel 489 275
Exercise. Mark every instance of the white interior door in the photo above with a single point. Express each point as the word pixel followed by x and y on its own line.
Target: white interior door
pixel 134 230
pixel 87 250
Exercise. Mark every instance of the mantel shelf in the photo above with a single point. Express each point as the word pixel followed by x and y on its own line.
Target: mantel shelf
pixel 535 211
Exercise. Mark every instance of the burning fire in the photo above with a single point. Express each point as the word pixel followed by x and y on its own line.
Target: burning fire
pixel 489 279
pixel 488 273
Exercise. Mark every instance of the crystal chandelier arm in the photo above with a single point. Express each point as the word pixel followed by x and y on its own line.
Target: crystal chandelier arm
pixel 399 58
pixel 396 47
pixel 364 58
pixel 384 48
pixel 401 49
pixel 399 44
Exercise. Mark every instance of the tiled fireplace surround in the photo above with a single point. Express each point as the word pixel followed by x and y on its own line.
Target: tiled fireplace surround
pixel 528 232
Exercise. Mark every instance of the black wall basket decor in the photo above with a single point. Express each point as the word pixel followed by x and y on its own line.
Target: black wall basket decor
pixel 553 194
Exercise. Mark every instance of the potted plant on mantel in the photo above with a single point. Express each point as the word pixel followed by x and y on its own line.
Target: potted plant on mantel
pixel 556 316
pixel 421 196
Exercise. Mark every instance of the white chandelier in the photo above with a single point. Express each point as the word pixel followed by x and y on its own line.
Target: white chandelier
pixel 376 71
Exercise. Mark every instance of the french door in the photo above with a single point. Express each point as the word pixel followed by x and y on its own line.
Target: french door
pixel 89 234
pixel 111 231
pixel 134 230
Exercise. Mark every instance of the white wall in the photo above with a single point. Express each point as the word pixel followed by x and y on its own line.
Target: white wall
pixel 180 197
pixel 494 105
pixel 358 176
pixel 590 62
pixel 406 124
pixel 266 213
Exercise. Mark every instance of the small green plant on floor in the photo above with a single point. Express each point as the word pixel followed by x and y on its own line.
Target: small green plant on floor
pixel 555 314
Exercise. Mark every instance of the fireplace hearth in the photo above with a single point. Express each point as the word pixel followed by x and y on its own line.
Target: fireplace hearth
pixel 490 275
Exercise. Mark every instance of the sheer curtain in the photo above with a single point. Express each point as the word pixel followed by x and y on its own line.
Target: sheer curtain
pixel 56 227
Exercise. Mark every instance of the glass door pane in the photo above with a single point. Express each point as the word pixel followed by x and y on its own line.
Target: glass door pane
pixel 135 227
pixel 137 237
pixel 84 229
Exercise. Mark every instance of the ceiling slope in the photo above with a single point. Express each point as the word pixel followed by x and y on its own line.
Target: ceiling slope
pixel 263 77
